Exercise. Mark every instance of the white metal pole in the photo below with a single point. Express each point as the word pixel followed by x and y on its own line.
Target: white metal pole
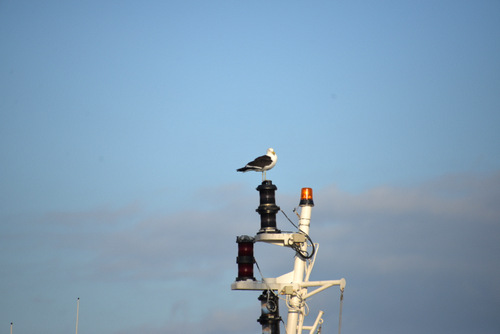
pixel 77 310
pixel 11 324
pixel 292 325
pixel 316 323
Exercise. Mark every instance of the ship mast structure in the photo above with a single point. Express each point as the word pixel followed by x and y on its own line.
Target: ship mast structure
pixel 295 286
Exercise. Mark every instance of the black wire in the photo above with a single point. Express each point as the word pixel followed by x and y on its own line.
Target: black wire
pixel 305 254
pixel 300 252
pixel 289 219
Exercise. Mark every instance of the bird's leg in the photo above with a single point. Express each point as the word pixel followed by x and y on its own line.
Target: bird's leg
pixel 264 175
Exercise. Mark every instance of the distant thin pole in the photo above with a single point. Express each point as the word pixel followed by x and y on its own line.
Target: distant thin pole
pixel 77 310
pixel 340 308
pixel 11 324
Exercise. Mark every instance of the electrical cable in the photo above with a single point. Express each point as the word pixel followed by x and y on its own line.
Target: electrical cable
pixel 340 308
pixel 303 254
pixel 268 287
pixel 289 219
pixel 284 325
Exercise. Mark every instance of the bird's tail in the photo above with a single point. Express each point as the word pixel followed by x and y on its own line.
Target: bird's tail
pixel 243 169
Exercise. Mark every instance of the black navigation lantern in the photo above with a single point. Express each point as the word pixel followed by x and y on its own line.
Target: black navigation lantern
pixel 267 208
pixel 270 314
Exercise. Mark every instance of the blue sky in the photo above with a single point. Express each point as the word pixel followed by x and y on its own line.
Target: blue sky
pixel 122 124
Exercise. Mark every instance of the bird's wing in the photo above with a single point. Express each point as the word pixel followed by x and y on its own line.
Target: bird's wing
pixel 261 162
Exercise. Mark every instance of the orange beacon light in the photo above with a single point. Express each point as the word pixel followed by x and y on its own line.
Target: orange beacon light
pixel 306 197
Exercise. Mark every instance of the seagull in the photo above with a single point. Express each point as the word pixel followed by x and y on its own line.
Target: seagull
pixel 262 163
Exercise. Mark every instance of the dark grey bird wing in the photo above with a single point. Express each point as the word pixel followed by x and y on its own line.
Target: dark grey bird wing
pixel 257 164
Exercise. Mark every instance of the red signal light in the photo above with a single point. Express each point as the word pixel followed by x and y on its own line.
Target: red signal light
pixel 245 257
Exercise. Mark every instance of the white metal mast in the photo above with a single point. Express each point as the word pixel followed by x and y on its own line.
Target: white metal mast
pixel 294 285
pixel 295 310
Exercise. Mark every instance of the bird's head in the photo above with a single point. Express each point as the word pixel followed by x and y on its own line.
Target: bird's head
pixel 271 151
